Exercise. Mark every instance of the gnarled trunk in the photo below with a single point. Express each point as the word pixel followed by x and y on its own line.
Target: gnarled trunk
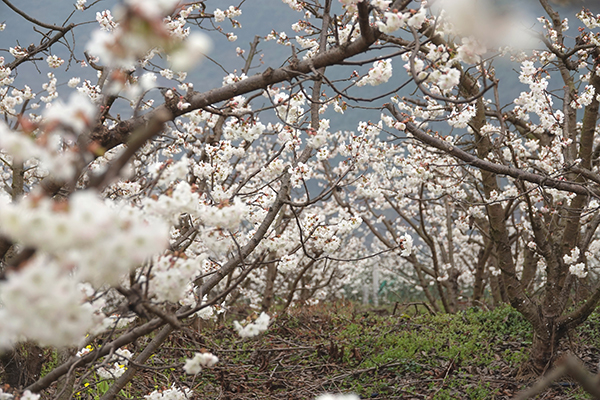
pixel 542 352
pixel 546 338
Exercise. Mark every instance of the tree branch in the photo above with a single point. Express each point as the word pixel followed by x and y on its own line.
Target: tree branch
pixel 499 169
pixel 23 14
pixel 109 138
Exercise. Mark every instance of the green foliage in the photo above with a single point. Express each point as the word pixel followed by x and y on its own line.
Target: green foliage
pixel 51 362
pixel 96 388
pixel 482 391
pixel 590 329
pixel 578 394
pixel 465 338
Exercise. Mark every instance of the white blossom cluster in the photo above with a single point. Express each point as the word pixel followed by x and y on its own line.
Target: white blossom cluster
pixel 54 61
pixel 289 108
pixel 172 277
pixel 230 12
pixel 50 88
pixel 172 393
pixel 106 20
pixel 471 50
pixel 200 360
pixel 393 22
pixel 252 329
pixel 380 73
pixel 407 245
pixel 181 200
pixel 590 20
pixel 123 44
pixel 26 395
pixel 18 52
pixel 43 303
pixel 119 365
pixel 576 268
pixel 224 215
pixel 5 76
pixel 294 4
pixel 103 241
pixel 249 130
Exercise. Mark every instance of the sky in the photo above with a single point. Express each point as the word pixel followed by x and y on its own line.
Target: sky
pixel 259 18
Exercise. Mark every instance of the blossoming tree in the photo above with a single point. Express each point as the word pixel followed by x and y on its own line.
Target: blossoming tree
pixel 521 201
pixel 129 208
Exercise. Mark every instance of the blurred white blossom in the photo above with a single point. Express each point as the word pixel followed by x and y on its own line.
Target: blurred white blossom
pixel 254 328
pixel 200 360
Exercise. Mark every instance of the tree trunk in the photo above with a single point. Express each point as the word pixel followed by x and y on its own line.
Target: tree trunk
pixel 542 349
pixel 495 289
pixel 269 286
pixel 482 258
pixel 452 289
pixel 375 285
pixel 293 286
pixel 546 337
pixel 418 269
pixel 529 268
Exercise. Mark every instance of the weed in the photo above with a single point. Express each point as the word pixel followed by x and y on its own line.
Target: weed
pixel 51 361
pixel 483 391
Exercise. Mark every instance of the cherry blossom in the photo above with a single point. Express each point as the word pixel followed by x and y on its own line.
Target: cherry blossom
pixel 380 73
pixel 124 44
pixel 381 4
pixel 252 329
pixel 393 22
pixel 172 393
pixel 43 303
pixel 119 366
pixel 200 360
pixel 54 61
pixel 470 51
pixel 219 15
